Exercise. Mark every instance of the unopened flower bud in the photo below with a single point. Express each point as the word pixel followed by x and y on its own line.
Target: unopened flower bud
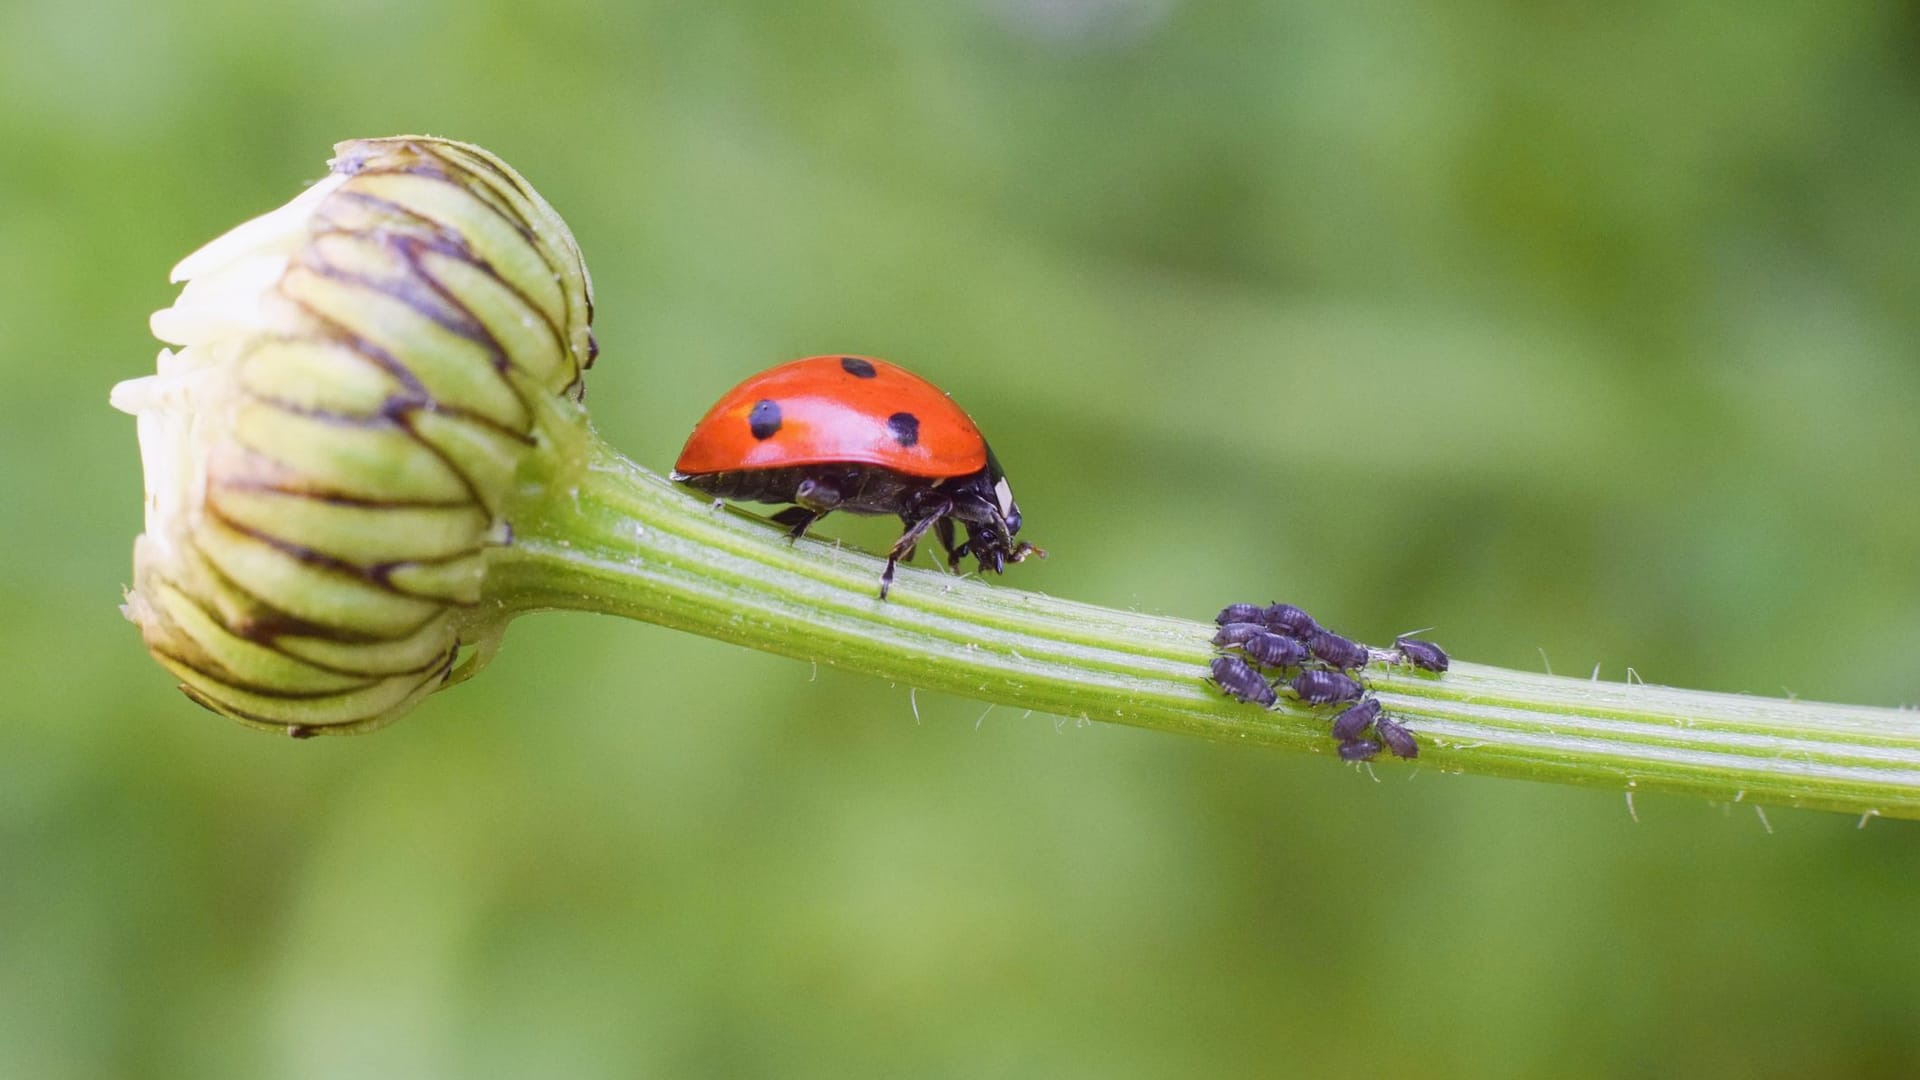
pixel 359 376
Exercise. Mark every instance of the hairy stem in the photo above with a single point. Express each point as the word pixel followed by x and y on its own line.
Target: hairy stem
pixel 613 537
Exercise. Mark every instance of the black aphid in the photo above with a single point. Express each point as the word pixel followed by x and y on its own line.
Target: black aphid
pixel 1290 620
pixel 1233 613
pixel 1354 721
pixel 1397 737
pixel 1421 654
pixel 1234 633
pixel 1337 651
pixel 1274 650
pixel 1325 687
pixel 1359 750
pixel 1239 681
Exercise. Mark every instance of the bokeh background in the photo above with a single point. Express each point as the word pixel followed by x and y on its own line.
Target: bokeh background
pixel 1584 333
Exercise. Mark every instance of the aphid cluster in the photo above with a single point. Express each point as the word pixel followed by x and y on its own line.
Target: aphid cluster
pixel 1279 646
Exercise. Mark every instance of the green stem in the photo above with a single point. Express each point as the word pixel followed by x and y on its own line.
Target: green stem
pixel 618 539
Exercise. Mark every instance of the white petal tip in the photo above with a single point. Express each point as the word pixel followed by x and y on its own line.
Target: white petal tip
pixel 271 231
pixel 134 395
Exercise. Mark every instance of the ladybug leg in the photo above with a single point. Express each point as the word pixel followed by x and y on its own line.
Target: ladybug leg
pixel 817 497
pixel 903 547
pixel 943 529
pixel 798 520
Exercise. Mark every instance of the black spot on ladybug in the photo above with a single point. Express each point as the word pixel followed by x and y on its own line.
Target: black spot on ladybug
pixel 764 420
pixel 856 367
pixel 905 427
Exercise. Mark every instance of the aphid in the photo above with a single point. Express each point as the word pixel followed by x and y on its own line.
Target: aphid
pixel 1290 620
pixel 1421 654
pixel 1234 633
pixel 863 436
pixel 1359 750
pixel 1274 650
pixel 1240 613
pixel 1397 737
pixel 1354 720
pixel 1317 687
pixel 1239 681
pixel 1340 652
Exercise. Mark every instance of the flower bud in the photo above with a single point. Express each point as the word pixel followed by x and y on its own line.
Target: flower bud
pixel 329 451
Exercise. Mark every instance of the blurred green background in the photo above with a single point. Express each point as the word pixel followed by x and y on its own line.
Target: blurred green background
pixel 1583 333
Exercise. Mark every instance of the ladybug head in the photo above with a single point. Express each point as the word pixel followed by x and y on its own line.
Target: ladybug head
pixel 984 501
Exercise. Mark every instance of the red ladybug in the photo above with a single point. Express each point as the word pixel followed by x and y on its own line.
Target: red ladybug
pixel 861 435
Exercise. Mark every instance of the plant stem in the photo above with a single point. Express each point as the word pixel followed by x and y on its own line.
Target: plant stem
pixel 613 537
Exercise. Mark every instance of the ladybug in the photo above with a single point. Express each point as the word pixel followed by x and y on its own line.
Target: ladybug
pixel 863 436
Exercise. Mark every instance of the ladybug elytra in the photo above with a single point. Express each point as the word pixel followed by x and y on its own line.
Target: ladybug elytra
pixel 862 436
